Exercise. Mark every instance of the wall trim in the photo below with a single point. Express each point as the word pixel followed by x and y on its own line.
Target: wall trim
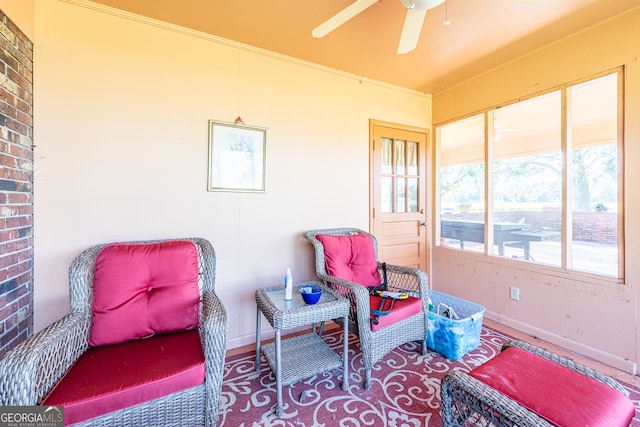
pixel 234 44
pixel 612 360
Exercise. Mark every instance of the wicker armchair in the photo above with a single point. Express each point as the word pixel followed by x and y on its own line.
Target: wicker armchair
pixel 376 344
pixel 468 401
pixel 30 371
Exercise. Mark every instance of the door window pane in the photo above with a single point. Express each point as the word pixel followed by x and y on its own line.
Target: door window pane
pixel 386 194
pixel 401 194
pixel 412 158
pixel 400 157
pixel 412 194
pixel 594 170
pixel 387 156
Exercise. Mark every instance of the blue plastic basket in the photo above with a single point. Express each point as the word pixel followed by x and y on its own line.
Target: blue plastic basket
pixel 454 338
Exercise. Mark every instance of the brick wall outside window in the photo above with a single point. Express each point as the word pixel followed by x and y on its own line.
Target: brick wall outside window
pixel 16 186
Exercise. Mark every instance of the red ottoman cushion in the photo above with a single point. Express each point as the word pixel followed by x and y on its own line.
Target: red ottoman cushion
pixel 560 395
pixel 110 378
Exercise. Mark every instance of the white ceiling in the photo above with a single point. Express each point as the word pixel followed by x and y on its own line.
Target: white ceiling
pixel 482 35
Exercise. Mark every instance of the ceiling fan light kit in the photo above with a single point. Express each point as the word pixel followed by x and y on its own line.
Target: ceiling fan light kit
pixel 416 12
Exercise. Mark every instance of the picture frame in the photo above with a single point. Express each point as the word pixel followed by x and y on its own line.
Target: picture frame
pixel 237 157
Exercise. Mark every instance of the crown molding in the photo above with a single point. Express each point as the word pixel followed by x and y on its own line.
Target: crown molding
pixel 233 44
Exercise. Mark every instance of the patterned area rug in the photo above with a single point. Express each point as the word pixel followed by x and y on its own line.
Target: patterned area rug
pixel 405 389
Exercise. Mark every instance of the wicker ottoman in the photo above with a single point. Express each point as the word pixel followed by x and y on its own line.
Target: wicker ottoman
pixel 528 386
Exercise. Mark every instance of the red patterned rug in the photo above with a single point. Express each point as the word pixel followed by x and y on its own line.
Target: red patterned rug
pixel 405 389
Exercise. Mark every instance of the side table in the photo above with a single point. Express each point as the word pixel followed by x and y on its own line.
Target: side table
pixel 302 356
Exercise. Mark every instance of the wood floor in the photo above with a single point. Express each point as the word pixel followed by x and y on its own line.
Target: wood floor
pixel 633 380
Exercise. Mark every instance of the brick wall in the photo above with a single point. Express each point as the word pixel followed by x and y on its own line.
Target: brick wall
pixel 16 186
pixel 599 227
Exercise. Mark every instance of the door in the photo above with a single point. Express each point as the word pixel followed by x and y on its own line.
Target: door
pixel 398 184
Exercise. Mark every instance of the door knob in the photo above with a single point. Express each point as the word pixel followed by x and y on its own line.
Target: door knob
pixel 422 223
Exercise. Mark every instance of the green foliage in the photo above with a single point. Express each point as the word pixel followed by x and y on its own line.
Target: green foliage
pixel 536 180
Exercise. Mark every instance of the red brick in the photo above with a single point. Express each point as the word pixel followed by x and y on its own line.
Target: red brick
pixel 18 198
pixel 18 221
pixel 8 161
pixel 10 308
pixel 8 336
pixel 17 270
pixel 20 151
pixel 7 260
pixel 7 235
pixel 25 209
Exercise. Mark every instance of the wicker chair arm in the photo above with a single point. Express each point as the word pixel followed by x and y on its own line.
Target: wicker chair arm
pixel 405 279
pixel 360 297
pixel 207 263
pixel 408 279
pixel 214 327
pixel 414 282
pixel 346 285
pixel 484 400
pixel 568 363
pixel 30 370
pixel 400 269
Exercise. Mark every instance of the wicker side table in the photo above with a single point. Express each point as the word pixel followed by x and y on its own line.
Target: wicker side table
pixel 300 357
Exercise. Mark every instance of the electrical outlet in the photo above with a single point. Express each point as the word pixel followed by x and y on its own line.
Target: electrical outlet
pixel 515 294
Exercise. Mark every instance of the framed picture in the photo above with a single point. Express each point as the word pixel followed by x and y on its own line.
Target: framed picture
pixel 237 157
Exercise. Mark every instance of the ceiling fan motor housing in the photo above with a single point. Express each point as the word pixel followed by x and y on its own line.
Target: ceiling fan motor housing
pixel 421 4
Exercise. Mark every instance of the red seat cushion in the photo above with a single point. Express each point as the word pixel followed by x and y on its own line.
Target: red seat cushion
pixel 141 289
pixel 560 395
pixel 402 308
pixel 351 258
pixel 110 378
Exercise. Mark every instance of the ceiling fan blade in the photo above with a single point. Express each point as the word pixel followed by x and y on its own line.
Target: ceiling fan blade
pixel 341 17
pixel 411 30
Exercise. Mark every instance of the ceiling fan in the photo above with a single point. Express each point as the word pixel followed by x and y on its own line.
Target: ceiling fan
pixel 416 12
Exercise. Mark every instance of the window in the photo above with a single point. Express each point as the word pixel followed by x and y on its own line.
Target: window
pixel 594 171
pixel 527 179
pixel 400 173
pixel 462 183
pixel 543 173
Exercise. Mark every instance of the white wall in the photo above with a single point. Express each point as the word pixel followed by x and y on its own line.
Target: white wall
pixel 21 13
pixel 593 316
pixel 121 120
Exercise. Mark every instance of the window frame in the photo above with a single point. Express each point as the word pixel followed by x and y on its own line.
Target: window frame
pixel 567 208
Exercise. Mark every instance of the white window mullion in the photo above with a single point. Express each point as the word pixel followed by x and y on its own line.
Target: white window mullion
pixel 567 183
pixel 488 188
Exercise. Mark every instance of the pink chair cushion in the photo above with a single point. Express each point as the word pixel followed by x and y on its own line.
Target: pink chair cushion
pixel 351 258
pixel 144 289
pixel 402 309
pixel 110 378
pixel 558 394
